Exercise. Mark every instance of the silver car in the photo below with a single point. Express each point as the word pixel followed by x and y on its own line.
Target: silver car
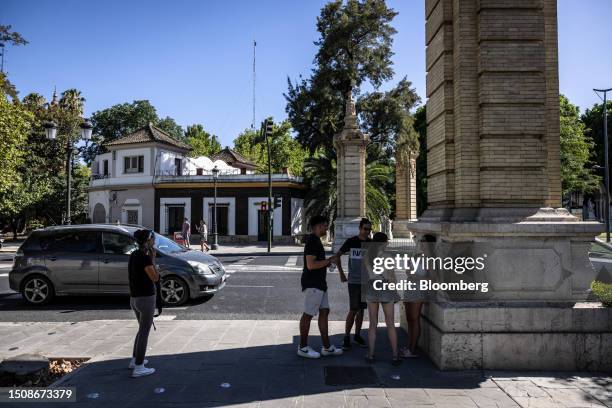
pixel 93 259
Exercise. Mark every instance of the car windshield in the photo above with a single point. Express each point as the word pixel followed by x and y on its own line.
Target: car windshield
pixel 167 245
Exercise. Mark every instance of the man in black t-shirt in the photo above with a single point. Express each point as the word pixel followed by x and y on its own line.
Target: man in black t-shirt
pixel 352 246
pixel 314 288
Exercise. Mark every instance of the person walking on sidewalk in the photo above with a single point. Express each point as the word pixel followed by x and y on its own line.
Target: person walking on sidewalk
pixel 142 277
pixel 314 288
pixel 203 231
pixel 352 246
pixel 186 231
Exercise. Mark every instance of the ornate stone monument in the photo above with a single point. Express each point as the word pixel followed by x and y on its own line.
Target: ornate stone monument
pixel 405 198
pixel 350 145
pixel 494 180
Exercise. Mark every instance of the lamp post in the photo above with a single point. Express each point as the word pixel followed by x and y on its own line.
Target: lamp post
pixel 606 165
pixel 51 132
pixel 215 244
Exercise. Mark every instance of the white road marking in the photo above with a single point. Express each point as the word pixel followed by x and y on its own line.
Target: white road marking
pixel 165 317
pixel 3 275
pixel 249 286
pixel 263 268
pixel 292 260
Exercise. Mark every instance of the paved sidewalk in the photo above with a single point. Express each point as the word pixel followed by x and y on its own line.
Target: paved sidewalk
pixel 253 364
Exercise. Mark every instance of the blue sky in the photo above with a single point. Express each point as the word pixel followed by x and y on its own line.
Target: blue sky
pixel 193 59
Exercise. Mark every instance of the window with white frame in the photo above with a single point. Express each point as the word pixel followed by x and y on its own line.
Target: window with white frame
pixel 133 164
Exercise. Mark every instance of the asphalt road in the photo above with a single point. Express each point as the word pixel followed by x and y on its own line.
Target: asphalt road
pixel 259 287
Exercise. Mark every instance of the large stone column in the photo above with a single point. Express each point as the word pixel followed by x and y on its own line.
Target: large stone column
pixel 494 182
pixel 405 197
pixel 350 145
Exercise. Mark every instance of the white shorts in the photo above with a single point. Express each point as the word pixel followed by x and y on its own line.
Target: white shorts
pixel 314 300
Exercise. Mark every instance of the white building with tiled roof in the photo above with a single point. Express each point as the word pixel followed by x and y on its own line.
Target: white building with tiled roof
pixel 147 178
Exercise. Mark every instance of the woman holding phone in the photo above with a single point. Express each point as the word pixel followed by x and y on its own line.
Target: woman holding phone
pixel 142 278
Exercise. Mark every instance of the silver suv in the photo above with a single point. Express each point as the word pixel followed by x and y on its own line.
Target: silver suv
pixel 93 259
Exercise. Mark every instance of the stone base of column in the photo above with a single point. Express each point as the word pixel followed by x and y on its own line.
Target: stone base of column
pixel 533 316
pixel 401 228
pixel 511 336
pixel 344 228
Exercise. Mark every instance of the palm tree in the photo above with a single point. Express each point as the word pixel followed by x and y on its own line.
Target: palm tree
pixel 72 101
pixel 320 175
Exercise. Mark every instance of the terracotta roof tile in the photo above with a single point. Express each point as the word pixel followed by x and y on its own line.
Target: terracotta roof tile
pixel 234 159
pixel 146 134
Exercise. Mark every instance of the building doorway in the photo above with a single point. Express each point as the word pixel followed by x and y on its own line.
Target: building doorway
pixel 176 215
pixel 262 225
pixel 222 219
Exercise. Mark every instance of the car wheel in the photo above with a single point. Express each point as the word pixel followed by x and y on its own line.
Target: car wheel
pixel 37 290
pixel 174 291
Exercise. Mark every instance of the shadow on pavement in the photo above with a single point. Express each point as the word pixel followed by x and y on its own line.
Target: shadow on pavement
pixel 273 375
pixel 67 304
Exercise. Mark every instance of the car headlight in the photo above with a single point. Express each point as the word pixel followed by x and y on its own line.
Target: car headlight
pixel 200 268
pixel 216 268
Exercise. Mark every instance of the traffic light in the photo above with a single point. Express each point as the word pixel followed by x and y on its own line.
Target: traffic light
pixel 268 127
pixel 278 201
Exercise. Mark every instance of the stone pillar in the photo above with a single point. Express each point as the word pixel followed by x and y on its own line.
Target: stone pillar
pixel 405 198
pixel 494 180
pixel 350 145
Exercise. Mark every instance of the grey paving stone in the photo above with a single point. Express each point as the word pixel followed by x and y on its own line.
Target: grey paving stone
pixel 327 400
pixel 521 388
pixel 289 402
pixel 491 398
pixel 574 398
pixel 602 394
pixel 538 402
pixel 362 401
pixel 409 395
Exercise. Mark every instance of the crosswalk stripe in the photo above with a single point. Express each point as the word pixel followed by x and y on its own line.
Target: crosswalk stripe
pixel 292 260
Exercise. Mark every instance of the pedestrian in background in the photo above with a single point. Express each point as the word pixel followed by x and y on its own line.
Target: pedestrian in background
pixel 142 278
pixel 203 231
pixel 186 231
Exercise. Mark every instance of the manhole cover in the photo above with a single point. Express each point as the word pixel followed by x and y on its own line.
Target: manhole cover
pixel 350 375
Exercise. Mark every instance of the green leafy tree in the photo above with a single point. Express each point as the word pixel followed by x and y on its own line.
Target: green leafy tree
pixel 170 126
pixel 354 47
pixel 386 117
pixel 286 152
pixel 576 173
pixel 8 37
pixel 202 142
pixel 16 191
pixel 593 129
pixel 124 118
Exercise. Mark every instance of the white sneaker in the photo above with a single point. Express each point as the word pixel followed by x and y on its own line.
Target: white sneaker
pixel 307 352
pixel 331 351
pixel 132 364
pixel 142 371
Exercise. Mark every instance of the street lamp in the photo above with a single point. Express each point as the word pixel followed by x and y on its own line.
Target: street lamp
pixel 606 164
pixel 85 134
pixel 215 244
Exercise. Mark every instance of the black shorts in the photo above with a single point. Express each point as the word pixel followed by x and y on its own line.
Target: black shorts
pixel 355 302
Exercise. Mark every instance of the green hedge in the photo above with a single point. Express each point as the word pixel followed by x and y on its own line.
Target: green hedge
pixel 603 291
